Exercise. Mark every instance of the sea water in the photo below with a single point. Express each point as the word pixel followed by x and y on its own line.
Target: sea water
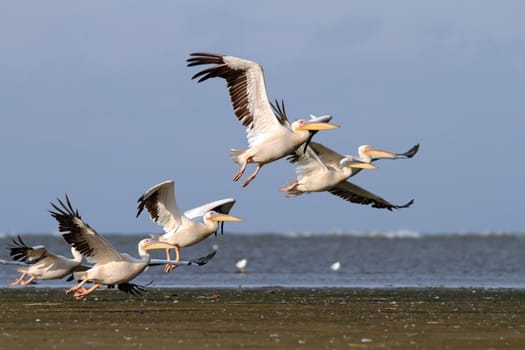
pixel 367 260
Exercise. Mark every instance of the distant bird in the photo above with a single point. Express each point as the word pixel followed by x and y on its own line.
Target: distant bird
pixel 320 169
pixel 270 137
pixel 180 228
pixel 241 265
pixel 41 263
pixel 335 266
pixel 110 267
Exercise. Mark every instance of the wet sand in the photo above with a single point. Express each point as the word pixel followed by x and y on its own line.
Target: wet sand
pixel 266 318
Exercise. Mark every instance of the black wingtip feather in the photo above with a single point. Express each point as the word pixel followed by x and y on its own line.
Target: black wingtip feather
pixel 411 152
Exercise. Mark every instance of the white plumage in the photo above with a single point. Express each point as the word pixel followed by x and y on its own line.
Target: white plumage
pixel 42 264
pixel 110 267
pixel 181 229
pixel 270 136
pixel 320 169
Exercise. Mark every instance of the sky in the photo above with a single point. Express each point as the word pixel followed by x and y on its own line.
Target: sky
pixel 96 101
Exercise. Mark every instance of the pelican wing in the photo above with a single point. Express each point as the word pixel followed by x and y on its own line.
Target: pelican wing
pixel 19 251
pixel 306 162
pixel 8 262
pixel 81 236
pixel 131 288
pixel 161 205
pixel 356 194
pixel 326 155
pixel 411 152
pixel 222 206
pixel 408 154
pixel 245 82
pixel 203 260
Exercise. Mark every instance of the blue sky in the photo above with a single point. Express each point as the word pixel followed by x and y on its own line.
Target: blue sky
pixel 96 101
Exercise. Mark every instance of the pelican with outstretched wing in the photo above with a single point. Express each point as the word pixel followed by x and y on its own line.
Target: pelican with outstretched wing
pixel 181 230
pixel 320 169
pixel 40 263
pixel 110 267
pixel 270 137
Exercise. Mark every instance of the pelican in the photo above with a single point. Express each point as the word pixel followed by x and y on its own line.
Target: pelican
pixel 321 169
pixel 110 267
pixel 270 137
pixel 180 228
pixel 41 263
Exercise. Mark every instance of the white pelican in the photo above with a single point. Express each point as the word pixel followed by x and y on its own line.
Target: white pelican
pixel 110 267
pixel 41 263
pixel 180 228
pixel 270 137
pixel 321 169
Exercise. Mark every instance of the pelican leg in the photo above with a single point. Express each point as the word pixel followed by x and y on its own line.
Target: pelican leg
pixel 241 170
pixel 81 290
pixel 24 283
pixel 167 268
pixel 177 258
pixel 291 186
pixel 81 293
pixel 76 287
pixel 18 280
pixel 293 194
pixel 252 176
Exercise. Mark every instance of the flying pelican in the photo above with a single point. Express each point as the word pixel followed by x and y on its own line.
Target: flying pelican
pixel 270 137
pixel 110 267
pixel 321 169
pixel 41 263
pixel 180 228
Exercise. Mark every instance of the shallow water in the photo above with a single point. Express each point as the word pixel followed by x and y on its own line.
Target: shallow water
pixel 299 260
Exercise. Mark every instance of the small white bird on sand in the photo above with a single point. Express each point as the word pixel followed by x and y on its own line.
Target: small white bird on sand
pixel 335 266
pixel 241 265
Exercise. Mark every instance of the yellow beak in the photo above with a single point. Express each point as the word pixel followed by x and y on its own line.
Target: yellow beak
pixel 159 245
pixel 378 153
pixel 224 217
pixel 361 165
pixel 317 126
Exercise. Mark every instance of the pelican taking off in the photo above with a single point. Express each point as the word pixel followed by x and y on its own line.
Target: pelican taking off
pixel 321 169
pixel 41 263
pixel 270 137
pixel 180 228
pixel 110 267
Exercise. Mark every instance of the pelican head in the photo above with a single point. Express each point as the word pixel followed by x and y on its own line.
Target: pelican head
pixel 218 217
pixel 367 152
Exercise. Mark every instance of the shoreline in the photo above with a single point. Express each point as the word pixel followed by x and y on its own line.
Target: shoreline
pixel 270 317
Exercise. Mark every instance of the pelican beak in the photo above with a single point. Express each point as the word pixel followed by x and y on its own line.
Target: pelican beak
pixel 224 217
pixel 378 153
pixel 356 164
pixel 159 245
pixel 315 125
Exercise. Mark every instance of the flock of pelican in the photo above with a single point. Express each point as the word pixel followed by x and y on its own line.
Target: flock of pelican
pixel 270 137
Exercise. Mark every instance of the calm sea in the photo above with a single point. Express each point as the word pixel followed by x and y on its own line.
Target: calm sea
pixel 374 260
